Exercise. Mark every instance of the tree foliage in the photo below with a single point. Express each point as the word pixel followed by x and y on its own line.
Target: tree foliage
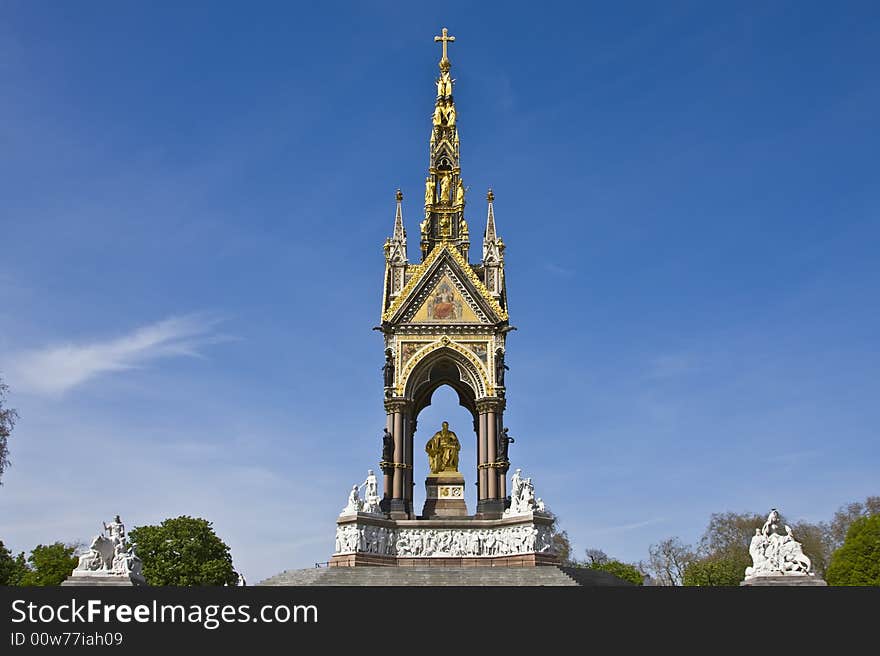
pixel 815 542
pixel 12 568
pixel 596 557
pixel 49 564
pixel 183 551
pixel 668 560
pixel 561 544
pixel 7 422
pixel 621 570
pixel 716 570
pixel 857 562
pixel 730 533
pixel 838 527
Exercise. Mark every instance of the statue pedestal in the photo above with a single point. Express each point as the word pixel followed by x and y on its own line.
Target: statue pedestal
pixel 444 496
pixel 103 579
pixel 784 580
pixel 373 540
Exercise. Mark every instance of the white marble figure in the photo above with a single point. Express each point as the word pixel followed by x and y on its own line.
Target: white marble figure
pixel 371 495
pixel 522 497
pixel 774 554
pixel 110 555
pixel 354 502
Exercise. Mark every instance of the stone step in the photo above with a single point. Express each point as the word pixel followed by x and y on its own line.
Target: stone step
pixel 424 576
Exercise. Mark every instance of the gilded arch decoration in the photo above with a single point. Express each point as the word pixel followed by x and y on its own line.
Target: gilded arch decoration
pixel 480 382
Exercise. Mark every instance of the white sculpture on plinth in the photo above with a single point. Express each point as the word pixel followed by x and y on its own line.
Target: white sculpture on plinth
pixel 110 555
pixel 522 497
pixel 354 503
pixel 370 504
pixel 774 554
pixel 371 494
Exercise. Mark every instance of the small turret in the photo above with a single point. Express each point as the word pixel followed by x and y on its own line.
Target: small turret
pixel 395 253
pixel 493 253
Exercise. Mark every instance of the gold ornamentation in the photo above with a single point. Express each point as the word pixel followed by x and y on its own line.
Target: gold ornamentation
pixel 429 191
pixel 445 39
pixel 466 269
pixel 480 373
pixel 445 181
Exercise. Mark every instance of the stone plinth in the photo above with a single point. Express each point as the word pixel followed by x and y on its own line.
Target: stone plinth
pixel 444 496
pixel 784 580
pixel 521 541
pixel 103 579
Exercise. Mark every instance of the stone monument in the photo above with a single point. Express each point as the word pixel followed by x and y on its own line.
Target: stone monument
pixel 110 560
pixel 444 321
pixel 777 558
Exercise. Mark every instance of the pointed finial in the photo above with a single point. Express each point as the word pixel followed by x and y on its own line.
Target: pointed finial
pixel 491 195
pixel 399 195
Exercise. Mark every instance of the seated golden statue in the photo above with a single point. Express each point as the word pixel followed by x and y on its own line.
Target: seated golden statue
pixel 442 450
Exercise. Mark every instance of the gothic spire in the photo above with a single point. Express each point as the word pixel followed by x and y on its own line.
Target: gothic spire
pixel 444 189
pixel 395 254
pixel 493 252
pixel 399 231
pixel 490 221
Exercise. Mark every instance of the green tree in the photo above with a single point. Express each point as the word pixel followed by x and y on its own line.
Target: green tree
pixel 722 569
pixel 50 564
pixel 857 562
pixel 838 527
pixel 183 551
pixel 12 568
pixel 7 421
pixel 621 570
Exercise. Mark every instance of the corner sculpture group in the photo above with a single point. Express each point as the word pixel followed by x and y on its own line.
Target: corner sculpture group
pixel 775 554
pixel 110 555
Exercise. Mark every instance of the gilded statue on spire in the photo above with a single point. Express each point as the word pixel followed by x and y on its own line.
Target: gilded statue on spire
pixel 450 115
pixel 444 85
pixel 429 191
pixel 445 182
pixel 459 193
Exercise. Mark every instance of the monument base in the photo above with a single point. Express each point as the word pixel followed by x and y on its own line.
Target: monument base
pixel 375 540
pixel 784 580
pixel 104 580
pixel 444 496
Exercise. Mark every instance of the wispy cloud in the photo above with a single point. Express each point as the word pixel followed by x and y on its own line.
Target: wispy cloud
pixel 557 270
pixel 58 368
pixel 630 527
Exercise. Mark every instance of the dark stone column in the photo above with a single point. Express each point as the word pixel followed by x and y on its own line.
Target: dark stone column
pixel 398 454
pixel 409 430
pixel 490 457
pixel 397 410
pixel 491 502
pixel 499 469
pixel 388 468
pixel 482 488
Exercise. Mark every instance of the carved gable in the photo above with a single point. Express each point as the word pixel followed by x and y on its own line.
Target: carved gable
pixel 445 291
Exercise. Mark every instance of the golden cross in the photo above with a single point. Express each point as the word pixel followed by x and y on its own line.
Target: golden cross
pixel 445 38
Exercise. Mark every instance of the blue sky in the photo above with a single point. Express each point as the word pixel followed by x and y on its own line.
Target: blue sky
pixel 194 197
